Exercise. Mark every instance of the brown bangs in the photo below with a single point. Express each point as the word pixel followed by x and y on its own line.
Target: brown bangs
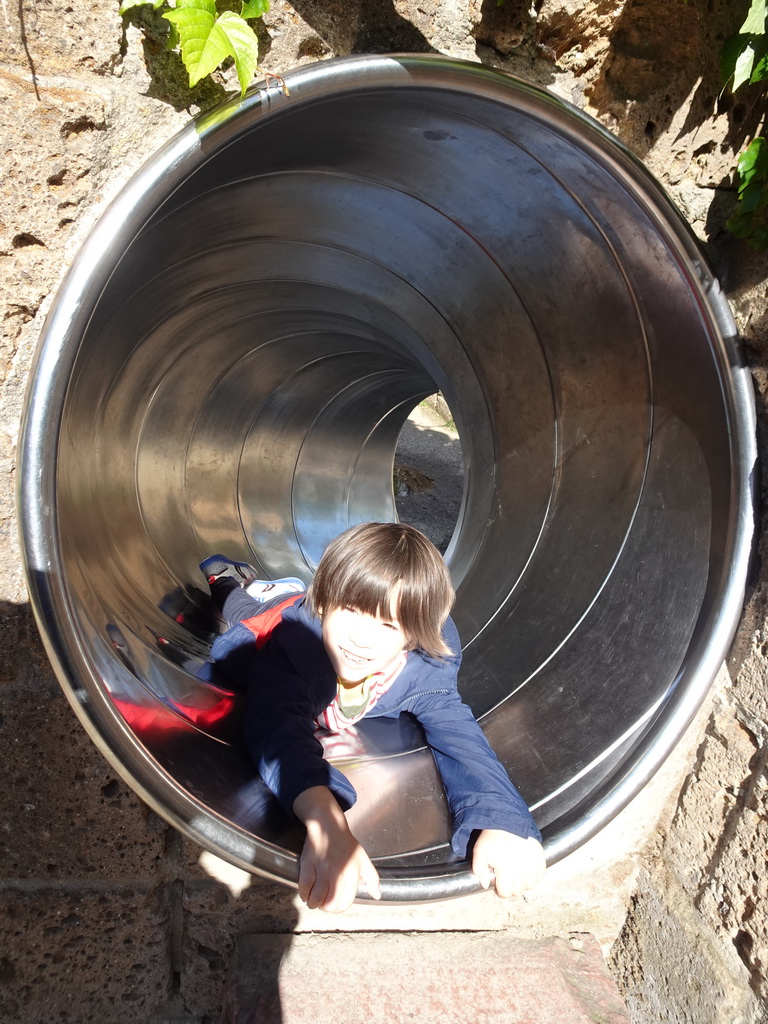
pixel 369 564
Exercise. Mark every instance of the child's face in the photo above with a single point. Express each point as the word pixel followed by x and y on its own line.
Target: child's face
pixel 359 644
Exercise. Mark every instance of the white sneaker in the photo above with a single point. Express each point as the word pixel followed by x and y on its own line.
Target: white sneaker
pixel 266 590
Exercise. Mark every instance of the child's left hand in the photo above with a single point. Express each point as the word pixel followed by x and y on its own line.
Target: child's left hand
pixel 518 864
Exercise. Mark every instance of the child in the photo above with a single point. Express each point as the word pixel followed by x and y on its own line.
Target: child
pixel 371 637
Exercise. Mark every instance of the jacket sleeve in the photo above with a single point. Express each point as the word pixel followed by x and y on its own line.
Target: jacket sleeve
pixel 279 733
pixel 479 792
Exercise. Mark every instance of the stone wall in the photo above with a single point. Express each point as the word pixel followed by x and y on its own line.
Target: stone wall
pixel 108 914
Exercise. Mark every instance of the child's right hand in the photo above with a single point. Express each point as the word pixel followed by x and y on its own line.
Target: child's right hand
pixel 333 863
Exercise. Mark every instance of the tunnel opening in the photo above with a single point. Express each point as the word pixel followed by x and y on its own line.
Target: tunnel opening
pixel 231 365
pixel 428 476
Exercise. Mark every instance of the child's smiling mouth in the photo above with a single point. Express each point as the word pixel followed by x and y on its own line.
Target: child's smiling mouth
pixel 355 659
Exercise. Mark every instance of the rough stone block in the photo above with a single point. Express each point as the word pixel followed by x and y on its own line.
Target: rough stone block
pixel 22 658
pixel 213 917
pixel 736 900
pixel 82 956
pixel 711 801
pixel 63 812
pixel 49 38
pixel 58 133
pixel 673 969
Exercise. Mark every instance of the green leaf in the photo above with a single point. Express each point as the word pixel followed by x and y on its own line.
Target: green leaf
pixel 744 65
pixel 195 24
pixel 749 198
pixel 744 58
pixel 254 8
pixel 740 227
pixel 173 42
pixel 753 163
pixel 244 47
pixel 760 73
pixel 750 218
pixel 756 18
pixel 206 40
pixel 729 54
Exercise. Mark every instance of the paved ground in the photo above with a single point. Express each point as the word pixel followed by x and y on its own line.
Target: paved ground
pixel 389 978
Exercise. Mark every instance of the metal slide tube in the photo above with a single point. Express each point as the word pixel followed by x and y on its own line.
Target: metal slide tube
pixel 228 366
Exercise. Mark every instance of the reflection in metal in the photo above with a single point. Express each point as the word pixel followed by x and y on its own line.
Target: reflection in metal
pixel 228 367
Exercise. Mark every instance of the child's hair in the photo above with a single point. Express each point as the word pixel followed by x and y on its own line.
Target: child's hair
pixel 363 565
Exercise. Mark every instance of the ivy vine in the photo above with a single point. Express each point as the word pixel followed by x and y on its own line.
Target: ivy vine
pixel 744 64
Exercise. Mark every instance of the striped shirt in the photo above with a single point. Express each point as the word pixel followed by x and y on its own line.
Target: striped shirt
pixel 334 719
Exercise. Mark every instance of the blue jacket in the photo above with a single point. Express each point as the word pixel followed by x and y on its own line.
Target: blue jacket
pixel 291 682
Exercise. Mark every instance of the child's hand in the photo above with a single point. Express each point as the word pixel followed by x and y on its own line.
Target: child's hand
pixel 333 863
pixel 518 864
